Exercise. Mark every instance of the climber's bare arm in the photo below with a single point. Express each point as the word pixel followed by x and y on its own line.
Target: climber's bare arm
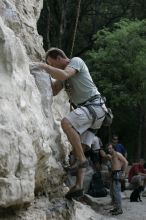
pixel 57 86
pixel 56 73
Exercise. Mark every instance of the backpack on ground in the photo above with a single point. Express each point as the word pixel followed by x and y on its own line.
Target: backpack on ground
pixel 96 188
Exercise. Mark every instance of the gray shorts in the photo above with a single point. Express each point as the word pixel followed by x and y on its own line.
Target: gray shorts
pixel 81 119
pixel 91 140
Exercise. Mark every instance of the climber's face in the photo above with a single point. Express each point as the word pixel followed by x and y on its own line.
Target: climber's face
pixel 58 62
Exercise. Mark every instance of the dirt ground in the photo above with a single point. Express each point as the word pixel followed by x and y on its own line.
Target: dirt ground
pixel 131 210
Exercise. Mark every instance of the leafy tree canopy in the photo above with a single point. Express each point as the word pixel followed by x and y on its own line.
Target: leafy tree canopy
pixel 118 65
pixel 118 62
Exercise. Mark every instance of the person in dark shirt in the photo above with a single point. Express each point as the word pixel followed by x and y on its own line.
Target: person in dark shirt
pixel 92 146
pixel 118 146
pixel 121 149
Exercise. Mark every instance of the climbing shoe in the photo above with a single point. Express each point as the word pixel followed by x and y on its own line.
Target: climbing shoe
pixel 112 210
pixel 77 165
pixel 74 193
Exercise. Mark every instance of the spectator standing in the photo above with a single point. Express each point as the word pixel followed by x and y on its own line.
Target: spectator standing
pixel 118 170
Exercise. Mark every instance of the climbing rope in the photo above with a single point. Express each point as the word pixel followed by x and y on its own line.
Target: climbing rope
pixel 76 24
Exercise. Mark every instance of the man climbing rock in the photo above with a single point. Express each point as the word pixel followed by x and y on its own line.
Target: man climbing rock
pixel 89 108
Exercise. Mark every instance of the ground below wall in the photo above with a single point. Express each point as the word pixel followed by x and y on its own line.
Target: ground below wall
pixel 131 210
pixel 40 209
pixel 88 208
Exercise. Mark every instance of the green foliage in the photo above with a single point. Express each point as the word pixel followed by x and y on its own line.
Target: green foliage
pixel 118 66
pixel 57 20
pixel 118 62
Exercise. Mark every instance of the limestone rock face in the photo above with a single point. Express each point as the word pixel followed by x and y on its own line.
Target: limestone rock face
pixel 31 140
pixel 21 17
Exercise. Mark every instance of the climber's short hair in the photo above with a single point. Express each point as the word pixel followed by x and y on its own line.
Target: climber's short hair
pixel 54 52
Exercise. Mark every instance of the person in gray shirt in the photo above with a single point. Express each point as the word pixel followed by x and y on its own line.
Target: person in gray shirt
pixel 89 108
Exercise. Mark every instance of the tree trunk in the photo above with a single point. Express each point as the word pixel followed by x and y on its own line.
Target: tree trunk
pixel 139 144
pixel 62 23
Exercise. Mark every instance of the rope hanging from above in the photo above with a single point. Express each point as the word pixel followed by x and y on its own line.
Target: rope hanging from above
pixel 75 29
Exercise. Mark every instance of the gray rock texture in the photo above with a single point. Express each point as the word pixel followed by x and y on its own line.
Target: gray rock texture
pixel 31 143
